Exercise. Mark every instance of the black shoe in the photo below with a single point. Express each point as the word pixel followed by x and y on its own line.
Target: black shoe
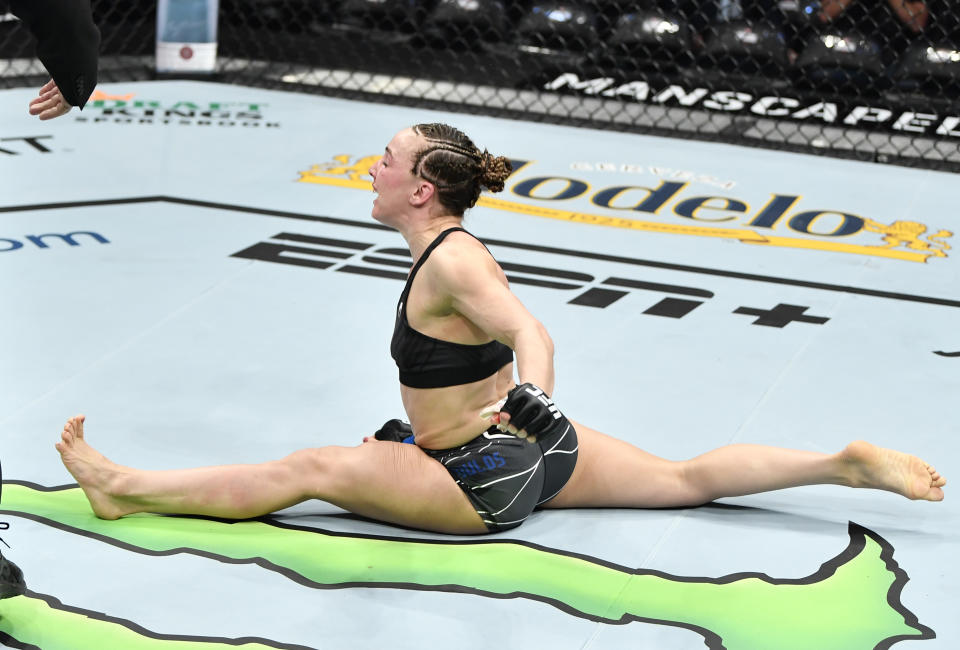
pixel 11 577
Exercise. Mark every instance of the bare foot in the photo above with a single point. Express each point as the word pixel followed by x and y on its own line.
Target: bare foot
pixel 94 472
pixel 885 469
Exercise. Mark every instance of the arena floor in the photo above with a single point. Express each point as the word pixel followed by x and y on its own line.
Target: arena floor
pixel 193 267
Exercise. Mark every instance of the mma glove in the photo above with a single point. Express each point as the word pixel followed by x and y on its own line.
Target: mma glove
pixel 531 410
pixel 395 431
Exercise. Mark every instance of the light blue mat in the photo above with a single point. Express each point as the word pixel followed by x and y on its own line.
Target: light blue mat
pixel 193 267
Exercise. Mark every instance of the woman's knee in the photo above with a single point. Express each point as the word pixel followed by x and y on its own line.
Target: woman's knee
pixel 317 467
pixel 695 486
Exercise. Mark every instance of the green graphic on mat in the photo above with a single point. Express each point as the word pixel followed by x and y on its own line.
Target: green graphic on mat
pixel 852 601
pixel 43 622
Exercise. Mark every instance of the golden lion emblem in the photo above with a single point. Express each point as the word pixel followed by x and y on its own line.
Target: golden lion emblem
pixel 908 234
pixel 340 166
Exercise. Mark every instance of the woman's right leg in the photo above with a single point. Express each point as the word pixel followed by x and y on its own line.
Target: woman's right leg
pixel 614 473
pixel 391 482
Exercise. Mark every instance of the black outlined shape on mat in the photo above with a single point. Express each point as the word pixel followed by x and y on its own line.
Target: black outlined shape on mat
pixel 35 618
pixel 739 612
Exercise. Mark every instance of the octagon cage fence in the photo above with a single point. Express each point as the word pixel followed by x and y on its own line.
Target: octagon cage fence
pixel 875 80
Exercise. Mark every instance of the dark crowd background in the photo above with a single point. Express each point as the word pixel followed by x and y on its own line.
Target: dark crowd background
pixel 869 79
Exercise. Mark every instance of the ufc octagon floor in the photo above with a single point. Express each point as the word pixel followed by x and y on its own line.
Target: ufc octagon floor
pixel 193 267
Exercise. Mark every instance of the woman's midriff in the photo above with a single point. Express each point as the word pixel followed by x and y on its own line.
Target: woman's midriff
pixel 450 416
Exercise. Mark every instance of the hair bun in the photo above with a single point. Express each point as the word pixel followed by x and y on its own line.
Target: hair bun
pixel 494 170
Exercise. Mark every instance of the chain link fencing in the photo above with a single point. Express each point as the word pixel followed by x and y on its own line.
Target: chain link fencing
pixel 874 80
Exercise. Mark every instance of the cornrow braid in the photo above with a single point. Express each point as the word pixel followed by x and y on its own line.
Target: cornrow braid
pixel 456 167
pixel 474 154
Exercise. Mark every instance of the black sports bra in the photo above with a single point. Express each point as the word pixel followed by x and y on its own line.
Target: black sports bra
pixel 426 362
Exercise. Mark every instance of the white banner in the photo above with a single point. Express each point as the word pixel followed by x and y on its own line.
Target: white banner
pixel 187 35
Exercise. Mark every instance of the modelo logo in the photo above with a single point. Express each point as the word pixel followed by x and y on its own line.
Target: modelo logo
pixel 902 239
pixel 722 209
pixel 700 208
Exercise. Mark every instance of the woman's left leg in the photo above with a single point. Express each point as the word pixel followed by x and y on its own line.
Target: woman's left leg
pixel 389 481
pixel 614 473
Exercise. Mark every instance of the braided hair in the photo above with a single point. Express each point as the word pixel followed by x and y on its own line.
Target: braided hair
pixel 456 167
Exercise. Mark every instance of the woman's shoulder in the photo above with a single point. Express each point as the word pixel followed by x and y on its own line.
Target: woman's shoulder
pixel 464 247
pixel 462 257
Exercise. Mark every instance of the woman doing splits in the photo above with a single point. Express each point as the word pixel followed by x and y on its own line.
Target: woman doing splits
pixel 480 452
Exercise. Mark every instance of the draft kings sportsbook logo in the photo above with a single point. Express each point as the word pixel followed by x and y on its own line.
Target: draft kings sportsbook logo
pixel 676 197
pixel 131 109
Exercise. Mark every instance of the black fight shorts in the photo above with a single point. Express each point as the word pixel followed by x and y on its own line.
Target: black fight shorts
pixel 506 477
